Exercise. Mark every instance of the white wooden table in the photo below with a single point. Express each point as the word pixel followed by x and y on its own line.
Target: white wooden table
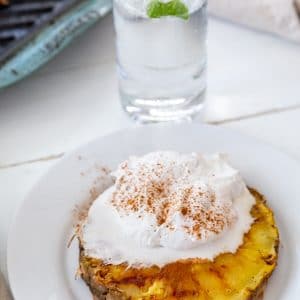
pixel 254 87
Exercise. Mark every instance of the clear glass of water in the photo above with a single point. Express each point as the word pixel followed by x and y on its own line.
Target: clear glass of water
pixel 161 54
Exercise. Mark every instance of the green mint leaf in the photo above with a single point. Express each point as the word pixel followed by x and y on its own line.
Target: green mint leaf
pixel 176 8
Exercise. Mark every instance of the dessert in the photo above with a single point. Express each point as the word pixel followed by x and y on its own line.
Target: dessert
pixel 178 226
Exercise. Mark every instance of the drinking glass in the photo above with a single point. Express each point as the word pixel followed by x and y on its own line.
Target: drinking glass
pixel 161 57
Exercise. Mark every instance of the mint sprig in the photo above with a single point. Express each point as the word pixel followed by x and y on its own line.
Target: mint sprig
pixel 176 8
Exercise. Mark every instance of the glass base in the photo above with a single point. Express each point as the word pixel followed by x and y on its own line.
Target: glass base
pixel 162 110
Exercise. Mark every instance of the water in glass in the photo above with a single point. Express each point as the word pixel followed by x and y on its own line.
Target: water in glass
pixel 161 61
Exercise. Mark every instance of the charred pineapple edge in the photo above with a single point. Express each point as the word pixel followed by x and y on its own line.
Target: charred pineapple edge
pixel 101 292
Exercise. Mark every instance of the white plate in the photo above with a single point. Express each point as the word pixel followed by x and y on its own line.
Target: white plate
pixel 42 267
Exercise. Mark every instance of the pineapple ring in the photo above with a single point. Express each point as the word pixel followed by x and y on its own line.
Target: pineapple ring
pixel 238 276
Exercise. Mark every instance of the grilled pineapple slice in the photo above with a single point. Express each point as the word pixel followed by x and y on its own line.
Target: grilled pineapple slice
pixel 238 276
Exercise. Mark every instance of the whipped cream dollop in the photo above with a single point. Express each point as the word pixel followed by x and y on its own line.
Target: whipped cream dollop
pixel 166 206
pixel 176 200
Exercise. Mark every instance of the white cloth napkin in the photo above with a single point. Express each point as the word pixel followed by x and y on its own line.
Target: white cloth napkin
pixel 4 291
pixel 277 16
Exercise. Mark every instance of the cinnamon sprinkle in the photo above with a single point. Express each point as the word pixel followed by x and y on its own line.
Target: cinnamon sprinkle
pixel 154 188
